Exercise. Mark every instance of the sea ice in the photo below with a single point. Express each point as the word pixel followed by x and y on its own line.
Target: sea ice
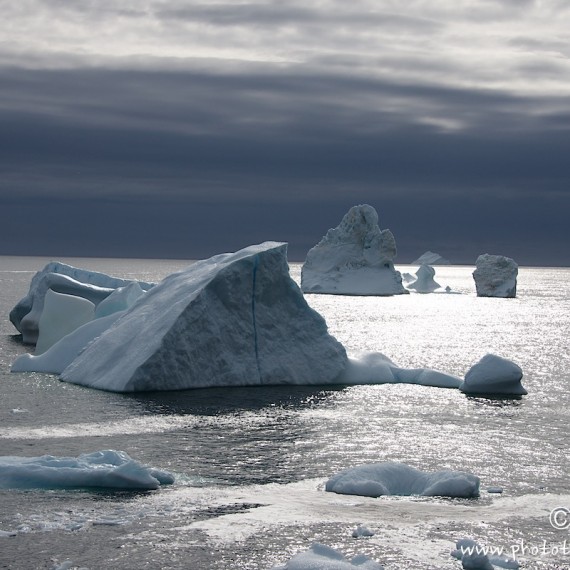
pixel 494 375
pixel 431 258
pixel 375 368
pixel 495 276
pixel 355 258
pixel 61 315
pixel 233 319
pixel 424 282
pixel 390 478
pixel 321 557
pixel 61 278
pixel 108 468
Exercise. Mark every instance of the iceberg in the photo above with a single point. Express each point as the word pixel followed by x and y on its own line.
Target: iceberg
pixel 107 468
pixel 495 276
pixel 61 315
pixel 494 375
pixel 391 478
pixel 119 300
pixel 475 557
pixel 236 319
pixel 376 368
pixel 322 557
pixel 355 258
pixel 431 258
pixel 61 278
pixel 424 282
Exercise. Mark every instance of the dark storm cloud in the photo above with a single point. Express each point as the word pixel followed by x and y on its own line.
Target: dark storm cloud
pixel 182 131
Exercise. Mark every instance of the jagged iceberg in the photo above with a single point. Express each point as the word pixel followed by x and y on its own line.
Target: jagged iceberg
pixel 390 478
pixel 495 276
pixel 233 319
pixel 355 258
pixel 425 282
pixel 107 468
pixel 61 278
pixel 431 258
pixel 494 375
pixel 322 557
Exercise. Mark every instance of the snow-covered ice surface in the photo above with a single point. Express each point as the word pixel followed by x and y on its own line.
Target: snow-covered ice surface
pixel 251 463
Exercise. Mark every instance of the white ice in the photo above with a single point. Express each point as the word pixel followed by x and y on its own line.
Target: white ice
pixel 59 356
pixel 494 375
pixel 108 468
pixel 376 368
pixel 61 315
pixel 120 299
pixel 431 258
pixel 232 320
pixel 495 276
pixel 362 531
pixel 355 258
pixel 475 557
pixel 390 478
pixel 322 557
pixel 61 278
pixel 425 282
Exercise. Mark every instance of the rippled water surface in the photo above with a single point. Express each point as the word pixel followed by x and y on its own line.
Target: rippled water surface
pixel 251 462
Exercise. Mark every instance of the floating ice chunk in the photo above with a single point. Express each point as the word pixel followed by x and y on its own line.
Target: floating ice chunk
pixel 58 357
pixel 61 278
pixel 495 490
pixel 408 277
pixel 120 299
pixel 494 375
pixel 424 282
pixel 361 531
pixel 431 258
pixel 61 315
pixel 232 320
pixel 375 368
pixel 355 258
pixel 321 557
pixel 108 468
pixel 476 557
pixel 389 478
pixel 495 276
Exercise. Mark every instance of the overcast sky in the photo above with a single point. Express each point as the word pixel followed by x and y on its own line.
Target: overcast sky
pixel 171 128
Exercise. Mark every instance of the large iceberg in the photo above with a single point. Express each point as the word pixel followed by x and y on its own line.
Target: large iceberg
pixel 233 319
pixel 425 282
pixel 322 557
pixel 355 258
pixel 431 258
pixel 390 478
pixel 494 375
pixel 61 278
pixel 495 276
pixel 108 468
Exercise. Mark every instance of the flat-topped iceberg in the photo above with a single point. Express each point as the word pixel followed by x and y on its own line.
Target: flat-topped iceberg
pixel 425 282
pixel 475 557
pixel 494 375
pixel 322 557
pixel 390 478
pixel 495 276
pixel 355 258
pixel 431 258
pixel 236 319
pixel 61 278
pixel 108 468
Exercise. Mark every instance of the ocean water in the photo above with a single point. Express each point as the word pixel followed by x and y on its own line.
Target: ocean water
pixel 251 463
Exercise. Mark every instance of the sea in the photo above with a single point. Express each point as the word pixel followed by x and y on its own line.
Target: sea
pixel 251 463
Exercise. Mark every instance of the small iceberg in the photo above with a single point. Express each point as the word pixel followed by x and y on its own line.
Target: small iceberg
pixel 425 282
pixel 391 478
pixel 431 258
pixel 496 276
pixel 494 375
pixel 321 557
pixel 107 469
